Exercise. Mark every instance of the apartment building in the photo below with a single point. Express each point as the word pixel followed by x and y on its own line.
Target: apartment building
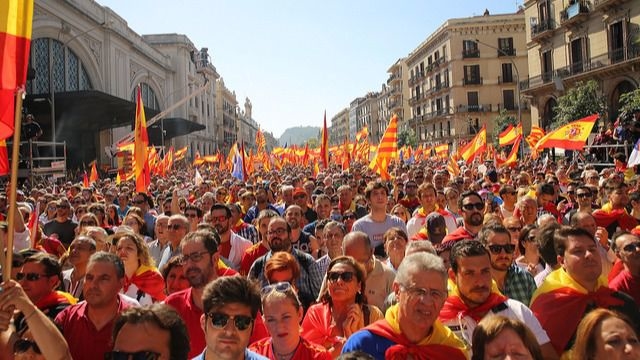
pixel 367 116
pixel 464 74
pixel 398 91
pixel 339 129
pixel 570 41
pixel 228 116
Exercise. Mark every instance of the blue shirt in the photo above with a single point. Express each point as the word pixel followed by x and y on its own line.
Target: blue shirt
pixel 366 341
pixel 248 355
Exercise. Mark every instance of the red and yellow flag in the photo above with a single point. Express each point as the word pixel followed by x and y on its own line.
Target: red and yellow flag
pixel 4 159
pixel 475 146
pixel 261 142
pixel 93 177
pixel 85 179
pixel 509 135
pixel 387 149
pixel 571 136
pixel 324 143
pixel 442 151
pixel 512 159
pixel 142 171
pixel 16 18
pixel 180 154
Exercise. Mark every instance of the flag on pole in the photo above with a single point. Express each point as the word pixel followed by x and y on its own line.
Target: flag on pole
pixel 4 159
pixel 142 171
pixel 94 174
pixel 180 154
pixel 324 143
pixel 442 151
pixel 244 163
pixel 16 19
pixel 387 149
pixel 509 135
pixel 236 170
pixel 634 158
pixel 513 155
pixel 571 136
pixel 475 146
pixel 85 179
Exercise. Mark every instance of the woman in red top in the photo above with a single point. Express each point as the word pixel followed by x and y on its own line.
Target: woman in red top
pixel 343 309
pixel 282 312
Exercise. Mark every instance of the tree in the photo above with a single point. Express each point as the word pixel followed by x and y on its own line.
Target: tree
pixel 407 137
pixel 629 104
pixel 578 102
pixel 501 122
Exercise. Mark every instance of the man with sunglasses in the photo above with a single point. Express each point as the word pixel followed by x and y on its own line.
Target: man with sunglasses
pixel 62 226
pixel 509 197
pixel 177 228
pixel 584 202
pixel 627 248
pixel 472 209
pixel 513 281
pixel 475 297
pixel 231 245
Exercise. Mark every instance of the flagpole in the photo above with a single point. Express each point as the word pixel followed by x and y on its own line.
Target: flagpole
pixel 13 185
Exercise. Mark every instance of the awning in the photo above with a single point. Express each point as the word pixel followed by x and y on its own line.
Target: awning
pixel 173 127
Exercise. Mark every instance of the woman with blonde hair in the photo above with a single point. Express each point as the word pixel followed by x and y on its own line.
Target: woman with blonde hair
pixel 143 282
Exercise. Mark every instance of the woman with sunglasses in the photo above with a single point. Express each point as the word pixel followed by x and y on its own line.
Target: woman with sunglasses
pixel 282 313
pixel 343 309
pixel 529 258
pixel 348 218
pixel 48 213
pixel 143 282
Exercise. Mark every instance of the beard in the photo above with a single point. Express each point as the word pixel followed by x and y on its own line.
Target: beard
pixel 278 244
pixel 196 277
pixel 476 219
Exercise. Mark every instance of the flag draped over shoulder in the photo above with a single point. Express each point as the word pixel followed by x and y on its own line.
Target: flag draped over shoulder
pixel 387 149
pixel 476 146
pixel 16 18
pixel 324 143
pixel 571 136
pixel 142 171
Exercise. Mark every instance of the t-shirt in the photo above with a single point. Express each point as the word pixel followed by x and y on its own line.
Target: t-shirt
pixel 628 284
pixel 65 230
pixel 375 230
pixel 225 249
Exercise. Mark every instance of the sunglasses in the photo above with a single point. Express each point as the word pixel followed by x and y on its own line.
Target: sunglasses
pixel 278 287
pixel 346 276
pixel 195 257
pixel 220 218
pixel 514 229
pixel 241 322
pixel 346 217
pixel 631 247
pixel 30 276
pixel 477 206
pixel 583 195
pixel 23 345
pixel 140 355
pixel 497 249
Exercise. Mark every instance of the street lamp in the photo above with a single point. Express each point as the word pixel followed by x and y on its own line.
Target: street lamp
pixel 63 30
pixel 517 83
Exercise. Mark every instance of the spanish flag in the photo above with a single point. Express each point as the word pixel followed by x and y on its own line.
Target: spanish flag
pixel 324 143
pixel 509 135
pixel 475 146
pixel 569 137
pixel 93 177
pixel 512 159
pixel 442 151
pixel 16 18
pixel 387 149
pixel 142 171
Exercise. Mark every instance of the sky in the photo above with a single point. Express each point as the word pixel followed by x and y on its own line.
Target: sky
pixel 294 59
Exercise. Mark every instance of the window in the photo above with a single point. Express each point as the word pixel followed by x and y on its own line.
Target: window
pixel 472 101
pixel 507 73
pixel 616 41
pixel 506 47
pixel 472 75
pixel 508 99
pixel 547 66
pixel 577 63
pixel 470 49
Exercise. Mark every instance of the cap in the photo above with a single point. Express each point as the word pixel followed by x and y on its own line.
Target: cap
pixel 299 191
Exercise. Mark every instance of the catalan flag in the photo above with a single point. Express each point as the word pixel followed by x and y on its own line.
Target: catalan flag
pixel 324 143
pixel 261 142
pixel 536 134
pixel 142 171
pixel 571 136
pixel 476 146
pixel 387 149
pixel 16 18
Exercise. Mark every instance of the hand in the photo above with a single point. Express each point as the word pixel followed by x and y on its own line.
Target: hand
pixel 13 297
pixel 603 236
pixel 354 320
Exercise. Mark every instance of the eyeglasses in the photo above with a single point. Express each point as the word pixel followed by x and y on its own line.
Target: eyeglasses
pixel 346 217
pixel 174 227
pixel 23 345
pixel 278 232
pixel 279 287
pixel 497 249
pixel 514 229
pixel 583 195
pixel 195 257
pixel 477 206
pixel 140 355
pixel 422 293
pixel 241 322
pixel 631 247
pixel 346 276
pixel 220 218
pixel 30 276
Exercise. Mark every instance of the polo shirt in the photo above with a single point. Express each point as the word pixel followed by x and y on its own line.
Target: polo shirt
pixel 84 340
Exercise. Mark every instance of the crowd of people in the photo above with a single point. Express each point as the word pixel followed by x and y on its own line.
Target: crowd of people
pixel 536 261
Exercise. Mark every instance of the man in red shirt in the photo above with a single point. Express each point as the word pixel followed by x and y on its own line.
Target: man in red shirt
pixel 627 248
pixel 262 247
pixel 87 326
pixel 200 254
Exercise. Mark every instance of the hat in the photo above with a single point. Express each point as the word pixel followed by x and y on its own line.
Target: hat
pixel 436 227
pixel 299 191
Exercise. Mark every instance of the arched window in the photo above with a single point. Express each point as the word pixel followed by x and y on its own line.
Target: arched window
pixel 149 98
pixel 51 60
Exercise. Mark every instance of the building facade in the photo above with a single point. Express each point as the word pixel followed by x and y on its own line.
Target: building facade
pixel 228 116
pixel 339 130
pixel 573 41
pixel 399 92
pixel 464 74
pixel 248 126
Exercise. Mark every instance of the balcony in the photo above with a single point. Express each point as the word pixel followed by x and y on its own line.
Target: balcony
pixel 390 79
pixel 506 52
pixel 543 30
pixel 512 107
pixel 505 80
pixel 606 4
pixel 470 53
pixel 415 99
pixel 574 14
pixel 474 108
pixel 440 86
pixel 472 81
pixel 392 104
pixel 439 61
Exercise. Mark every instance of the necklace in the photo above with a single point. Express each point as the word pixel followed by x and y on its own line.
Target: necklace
pixel 286 356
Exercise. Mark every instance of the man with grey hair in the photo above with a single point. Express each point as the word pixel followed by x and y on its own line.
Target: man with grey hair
pixel 157 246
pixel 333 233
pixel 177 228
pixel 411 327
pixel 89 337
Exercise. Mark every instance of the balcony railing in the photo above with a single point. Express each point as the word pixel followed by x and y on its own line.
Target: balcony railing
pixel 605 4
pixel 440 86
pixel 610 58
pixel 470 53
pixel 512 106
pixel 439 61
pixel 542 30
pixel 474 108
pixel 472 81
pixel 505 80
pixel 574 13
pixel 506 52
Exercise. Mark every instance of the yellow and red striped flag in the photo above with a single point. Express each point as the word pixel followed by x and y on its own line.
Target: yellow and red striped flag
pixel 476 146
pixel 16 18
pixel 362 134
pixel 261 142
pixel 324 143
pixel 571 136
pixel 93 177
pixel 142 171
pixel 509 135
pixel 387 149
pixel 512 159
pixel 442 151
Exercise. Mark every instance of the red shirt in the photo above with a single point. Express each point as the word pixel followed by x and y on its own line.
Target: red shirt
pixel 225 249
pixel 182 302
pixel 85 341
pixel 305 350
pixel 250 255
pixel 628 284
